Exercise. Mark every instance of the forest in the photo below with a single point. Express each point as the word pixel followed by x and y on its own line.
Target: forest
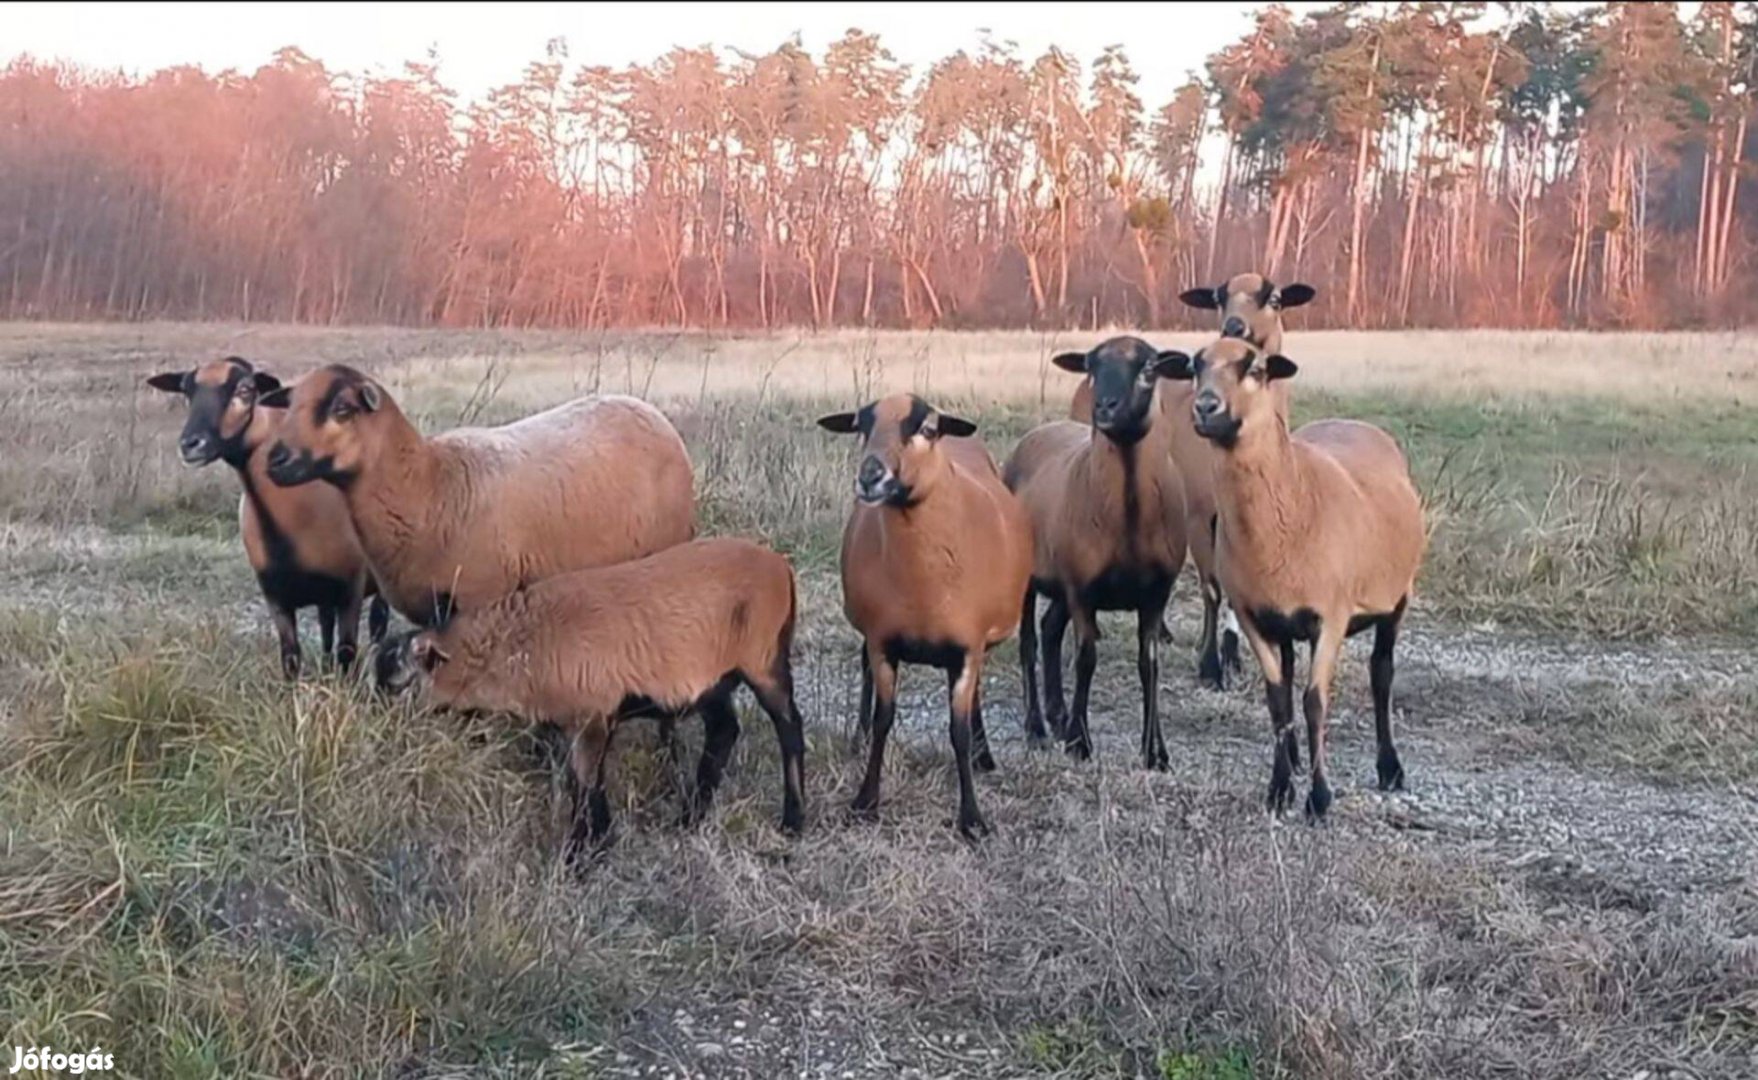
pixel 1426 164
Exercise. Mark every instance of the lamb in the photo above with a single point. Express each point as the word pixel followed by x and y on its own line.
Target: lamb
pixel 935 558
pixel 666 635
pixel 456 521
pixel 1250 307
pixel 1321 536
pixel 300 543
pixel 1108 518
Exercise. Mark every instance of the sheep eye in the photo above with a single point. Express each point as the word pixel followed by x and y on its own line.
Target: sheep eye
pixel 342 411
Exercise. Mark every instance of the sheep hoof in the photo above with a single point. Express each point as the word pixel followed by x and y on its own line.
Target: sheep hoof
pixel 1318 802
pixel 1210 673
pixel 792 825
pixel 1080 749
pixel 1281 795
pixel 864 809
pixel 983 761
pixel 1230 660
pixel 972 827
pixel 1391 771
pixel 1159 762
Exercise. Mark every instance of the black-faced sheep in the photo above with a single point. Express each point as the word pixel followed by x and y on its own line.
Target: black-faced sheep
pixel 300 542
pixel 666 635
pixel 935 559
pixel 1321 536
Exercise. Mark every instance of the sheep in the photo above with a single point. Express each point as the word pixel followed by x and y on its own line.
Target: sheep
pixel 1250 307
pixel 666 635
pixel 1107 510
pixel 301 543
pixel 935 558
pixel 458 520
pixel 1321 536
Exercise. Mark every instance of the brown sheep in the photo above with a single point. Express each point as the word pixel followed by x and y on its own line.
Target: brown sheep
pixel 1250 306
pixel 300 543
pixel 1107 511
pixel 666 635
pixel 457 521
pixel 1321 536
pixel 935 558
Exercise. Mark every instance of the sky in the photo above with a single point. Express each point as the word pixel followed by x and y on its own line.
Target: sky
pixel 482 46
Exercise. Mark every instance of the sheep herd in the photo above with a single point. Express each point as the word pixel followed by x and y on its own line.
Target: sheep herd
pixel 552 570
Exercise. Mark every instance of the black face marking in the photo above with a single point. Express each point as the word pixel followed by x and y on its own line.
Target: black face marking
pixel 912 422
pixel 1282 627
pixel 1265 292
pixel 1124 375
pixel 941 654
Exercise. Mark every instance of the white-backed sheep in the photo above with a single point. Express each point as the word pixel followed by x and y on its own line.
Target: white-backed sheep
pixel 1107 510
pixel 1321 536
pixel 666 635
pixel 935 558
pixel 1250 307
pixel 300 543
pixel 457 521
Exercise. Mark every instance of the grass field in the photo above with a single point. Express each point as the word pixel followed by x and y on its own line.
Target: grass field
pixel 207 873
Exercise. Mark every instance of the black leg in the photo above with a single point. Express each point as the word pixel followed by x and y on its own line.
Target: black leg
pixel 1055 700
pixel 981 759
pixel 864 722
pixel 1385 640
pixel 1077 740
pixel 591 746
pixel 720 733
pixel 378 619
pixel 777 698
pixel 866 803
pixel 1208 666
pixel 348 633
pixel 286 622
pixel 961 683
pixel 1153 740
pixel 326 625
pixel 1028 668
pixel 1279 690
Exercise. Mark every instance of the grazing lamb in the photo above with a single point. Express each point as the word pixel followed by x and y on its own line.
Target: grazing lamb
pixel 1250 307
pixel 935 559
pixel 457 521
pixel 1321 536
pixel 1107 511
pixel 666 635
pixel 300 542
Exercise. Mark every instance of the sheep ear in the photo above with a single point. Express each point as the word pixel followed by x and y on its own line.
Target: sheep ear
pixel 265 383
pixel 1071 361
pixel 1173 364
pixel 278 398
pixel 370 397
pixel 1206 298
pixel 1295 295
pixel 427 652
pixel 956 426
pixel 843 423
pixel 171 382
pixel 1278 366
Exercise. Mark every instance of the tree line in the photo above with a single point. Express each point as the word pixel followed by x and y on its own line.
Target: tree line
pixel 1426 164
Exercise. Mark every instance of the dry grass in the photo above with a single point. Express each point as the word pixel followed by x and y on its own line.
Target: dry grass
pixel 210 875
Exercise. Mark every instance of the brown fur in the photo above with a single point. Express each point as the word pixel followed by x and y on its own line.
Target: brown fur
pixel 1319 529
pixel 671 633
pixel 472 514
pixel 1108 516
pixel 1261 324
pixel 937 581
pixel 299 541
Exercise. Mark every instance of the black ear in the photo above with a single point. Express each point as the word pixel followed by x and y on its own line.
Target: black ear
pixel 1205 298
pixel 370 397
pixel 956 425
pixel 843 423
pixel 1278 366
pixel 265 383
pixel 1173 364
pixel 278 398
pixel 1296 295
pixel 1071 361
pixel 171 382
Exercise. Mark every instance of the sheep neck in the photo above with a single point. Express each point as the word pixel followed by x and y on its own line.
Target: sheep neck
pixel 1264 502
pixel 391 501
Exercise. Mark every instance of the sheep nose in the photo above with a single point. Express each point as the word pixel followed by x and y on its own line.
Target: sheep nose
pixel 279 455
pixel 193 444
pixel 1234 327
pixel 1208 403
pixel 872 471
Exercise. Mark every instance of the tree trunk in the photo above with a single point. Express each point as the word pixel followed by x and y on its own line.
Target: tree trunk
pixel 1360 189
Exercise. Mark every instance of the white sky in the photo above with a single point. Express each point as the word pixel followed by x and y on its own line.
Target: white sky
pixel 483 45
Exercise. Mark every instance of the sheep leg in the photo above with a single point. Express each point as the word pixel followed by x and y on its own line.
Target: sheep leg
pixel 1077 741
pixel 1230 661
pixel 591 805
pixel 981 759
pixel 378 619
pixel 963 681
pixel 1385 639
pixel 1208 666
pixel 1055 701
pixel 348 639
pixel 1153 741
pixel 326 627
pixel 286 622
pixel 777 698
pixel 1277 661
pixel 866 804
pixel 864 722
pixel 720 733
pixel 1317 704
pixel 1028 668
